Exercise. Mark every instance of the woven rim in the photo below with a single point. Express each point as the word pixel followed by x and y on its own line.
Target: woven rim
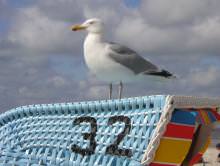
pixel 196 102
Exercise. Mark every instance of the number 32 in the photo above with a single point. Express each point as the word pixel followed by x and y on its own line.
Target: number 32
pixel 111 149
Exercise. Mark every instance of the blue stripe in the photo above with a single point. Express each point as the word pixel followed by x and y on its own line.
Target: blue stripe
pixel 184 117
pixel 211 116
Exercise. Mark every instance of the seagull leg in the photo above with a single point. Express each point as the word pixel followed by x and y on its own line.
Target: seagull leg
pixel 120 90
pixel 110 91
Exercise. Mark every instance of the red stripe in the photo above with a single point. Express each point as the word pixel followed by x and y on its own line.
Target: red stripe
pixel 179 131
pixel 157 164
pixel 195 159
pixel 214 111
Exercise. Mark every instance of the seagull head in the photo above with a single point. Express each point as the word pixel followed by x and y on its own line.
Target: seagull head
pixel 93 25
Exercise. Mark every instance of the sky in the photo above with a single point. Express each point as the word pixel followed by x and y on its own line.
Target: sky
pixel 41 59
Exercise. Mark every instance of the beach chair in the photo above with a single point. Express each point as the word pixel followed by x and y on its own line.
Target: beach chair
pixel 151 130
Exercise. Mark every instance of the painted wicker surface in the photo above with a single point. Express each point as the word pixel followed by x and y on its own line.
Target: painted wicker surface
pixel 43 134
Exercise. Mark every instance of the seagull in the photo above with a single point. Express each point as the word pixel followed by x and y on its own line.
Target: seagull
pixel 112 62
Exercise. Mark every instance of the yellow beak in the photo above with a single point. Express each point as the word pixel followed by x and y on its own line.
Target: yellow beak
pixel 77 27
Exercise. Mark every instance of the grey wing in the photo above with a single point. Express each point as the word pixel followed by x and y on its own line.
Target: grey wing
pixel 130 59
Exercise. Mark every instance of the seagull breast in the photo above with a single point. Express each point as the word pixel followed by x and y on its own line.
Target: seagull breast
pixel 96 54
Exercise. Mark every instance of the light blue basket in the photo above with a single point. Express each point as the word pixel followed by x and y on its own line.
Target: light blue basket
pixel 55 134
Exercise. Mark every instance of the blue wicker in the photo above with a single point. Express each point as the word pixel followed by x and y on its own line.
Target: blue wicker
pixel 43 134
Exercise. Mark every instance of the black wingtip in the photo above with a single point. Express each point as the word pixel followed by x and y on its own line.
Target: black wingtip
pixel 167 74
pixel 162 73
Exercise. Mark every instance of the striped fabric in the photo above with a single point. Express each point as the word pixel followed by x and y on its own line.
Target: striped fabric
pixel 199 155
pixel 207 116
pixel 177 139
pixel 204 117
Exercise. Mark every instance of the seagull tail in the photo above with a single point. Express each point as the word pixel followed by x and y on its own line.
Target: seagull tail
pixel 161 73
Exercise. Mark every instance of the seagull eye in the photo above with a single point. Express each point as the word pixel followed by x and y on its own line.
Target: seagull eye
pixel 92 22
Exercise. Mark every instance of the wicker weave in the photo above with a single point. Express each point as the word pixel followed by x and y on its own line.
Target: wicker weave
pixel 43 134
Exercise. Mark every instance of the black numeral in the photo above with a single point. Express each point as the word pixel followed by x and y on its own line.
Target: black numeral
pixel 113 148
pixel 87 136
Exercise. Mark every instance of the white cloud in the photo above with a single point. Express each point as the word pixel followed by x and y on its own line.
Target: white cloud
pixel 184 28
pixel 97 92
pixel 58 81
pixel 206 36
pixel 177 13
pixel 173 27
pixel 36 32
pixel 136 33
pixel 204 77
pixel 156 27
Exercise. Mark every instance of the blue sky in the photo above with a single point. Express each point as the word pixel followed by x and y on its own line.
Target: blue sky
pixel 41 60
pixel 4 27
pixel 132 3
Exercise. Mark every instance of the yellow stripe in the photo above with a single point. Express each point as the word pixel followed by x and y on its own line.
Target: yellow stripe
pixel 163 163
pixel 172 151
pixel 205 117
